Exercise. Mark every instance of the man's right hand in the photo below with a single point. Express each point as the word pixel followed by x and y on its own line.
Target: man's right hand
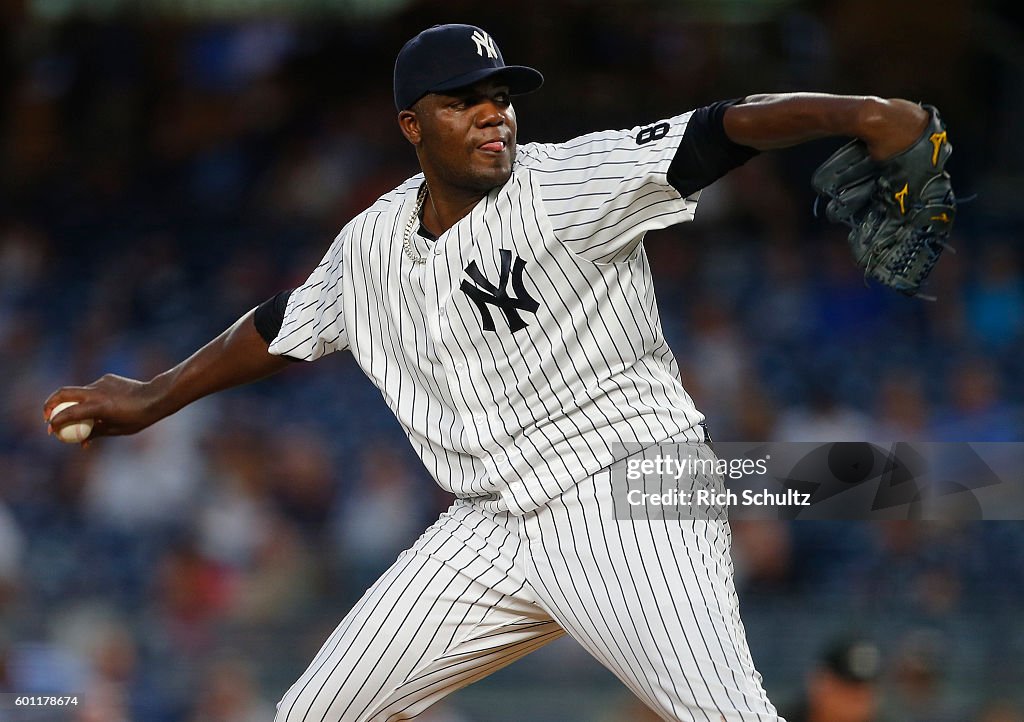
pixel 118 405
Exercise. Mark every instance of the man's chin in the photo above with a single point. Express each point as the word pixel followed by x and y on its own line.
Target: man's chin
pixel 492 179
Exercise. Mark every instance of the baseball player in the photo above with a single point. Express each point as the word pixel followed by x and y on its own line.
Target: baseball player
pixel 502 302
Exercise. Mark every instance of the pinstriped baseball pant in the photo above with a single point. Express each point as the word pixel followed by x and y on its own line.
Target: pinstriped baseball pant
pixel 652 600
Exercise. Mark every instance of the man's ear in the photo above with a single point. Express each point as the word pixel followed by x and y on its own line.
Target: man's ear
pixel 410 126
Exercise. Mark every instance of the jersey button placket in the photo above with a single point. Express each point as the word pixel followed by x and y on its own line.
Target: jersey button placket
pixel 431 300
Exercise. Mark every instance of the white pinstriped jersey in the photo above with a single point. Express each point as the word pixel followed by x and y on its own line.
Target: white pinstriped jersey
pixel 527 349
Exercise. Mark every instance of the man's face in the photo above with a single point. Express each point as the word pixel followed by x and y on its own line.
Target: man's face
pixel 465 138
pixel 837 700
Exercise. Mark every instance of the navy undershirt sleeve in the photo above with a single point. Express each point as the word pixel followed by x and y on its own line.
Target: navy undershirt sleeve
pixel 269 316
pixel 706 153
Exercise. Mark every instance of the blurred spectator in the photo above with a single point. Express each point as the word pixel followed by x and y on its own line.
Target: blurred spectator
pixel 236 510
pixel 977 411
pixel 5 671
pixel 823 419
pixel 779 317
pixel 24 256
pixel 112 681
pixel 914 565
pixel 903 411
pixel 718 358
pixel 191 594
pixel 917 678
pixel 305 475
pixel 1001 711
pixel 381 515
pixel 843 687
pixel 995 300
pixel 280 579
pixel 12 547
pixel 763 555
pixel 149 480
pixel 103 702
pixel 229 694
pixel 844 309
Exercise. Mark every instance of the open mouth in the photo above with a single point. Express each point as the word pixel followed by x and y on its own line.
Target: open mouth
pixel 493 146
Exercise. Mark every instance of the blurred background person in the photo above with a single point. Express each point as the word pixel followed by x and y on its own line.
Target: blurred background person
pixel 843 686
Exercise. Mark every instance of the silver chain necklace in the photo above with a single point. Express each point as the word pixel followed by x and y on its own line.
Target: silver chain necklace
pixel 421 196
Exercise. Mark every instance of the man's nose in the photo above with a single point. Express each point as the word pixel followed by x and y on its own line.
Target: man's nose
pixel 491 113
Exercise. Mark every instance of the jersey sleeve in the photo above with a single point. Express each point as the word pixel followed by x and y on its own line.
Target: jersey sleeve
pixel 604 191
pixel 706 152
pixel 314 320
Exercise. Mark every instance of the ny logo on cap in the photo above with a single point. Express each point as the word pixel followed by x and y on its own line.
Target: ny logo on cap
pixel 484 42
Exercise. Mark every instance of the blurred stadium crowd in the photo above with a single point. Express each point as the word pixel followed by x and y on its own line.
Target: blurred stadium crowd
pixel 161 177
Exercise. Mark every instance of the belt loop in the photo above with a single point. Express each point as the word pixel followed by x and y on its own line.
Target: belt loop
pixel 707 432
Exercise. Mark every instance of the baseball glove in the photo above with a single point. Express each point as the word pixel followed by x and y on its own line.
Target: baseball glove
pixel 900 210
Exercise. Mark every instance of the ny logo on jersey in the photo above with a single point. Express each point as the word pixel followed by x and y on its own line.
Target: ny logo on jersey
pixel 484 42
pixel 485 293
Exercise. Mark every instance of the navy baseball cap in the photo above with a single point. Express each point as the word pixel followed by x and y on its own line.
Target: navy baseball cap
pixel 446 57
pixel 853 660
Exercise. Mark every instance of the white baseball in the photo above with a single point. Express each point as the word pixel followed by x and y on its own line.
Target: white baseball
pixel 74 433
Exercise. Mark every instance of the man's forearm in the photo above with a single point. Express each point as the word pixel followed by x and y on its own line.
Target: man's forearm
pixel 238 356
pixel 120 405
pixel 778 121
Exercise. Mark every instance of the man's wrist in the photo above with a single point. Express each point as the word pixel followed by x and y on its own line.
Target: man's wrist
pixel 157 393
pixel 889 127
